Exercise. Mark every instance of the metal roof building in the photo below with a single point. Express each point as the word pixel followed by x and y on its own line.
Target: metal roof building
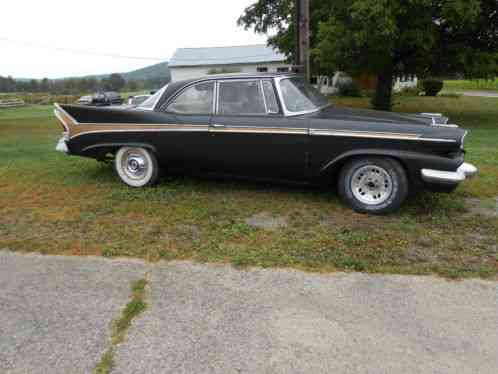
pixel 189 63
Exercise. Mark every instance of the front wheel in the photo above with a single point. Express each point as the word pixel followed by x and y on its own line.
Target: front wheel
pixel 137 167
pixel 373 185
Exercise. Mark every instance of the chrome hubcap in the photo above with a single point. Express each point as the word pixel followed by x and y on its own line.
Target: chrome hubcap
pixel 371 184
pixel 134 165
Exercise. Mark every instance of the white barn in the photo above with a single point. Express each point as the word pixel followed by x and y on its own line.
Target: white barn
pixel 189 63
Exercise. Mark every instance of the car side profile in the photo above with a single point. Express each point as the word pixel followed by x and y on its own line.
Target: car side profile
pixel 271 127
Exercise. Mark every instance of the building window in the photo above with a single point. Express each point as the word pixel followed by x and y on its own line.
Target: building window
pixel 262 69
pixel 283 70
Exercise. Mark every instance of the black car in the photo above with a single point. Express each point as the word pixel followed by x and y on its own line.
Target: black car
pixel 272 127
pixel 101 99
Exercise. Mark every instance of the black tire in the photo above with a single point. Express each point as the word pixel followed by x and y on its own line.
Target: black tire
pixel 137 167
pixel 380 185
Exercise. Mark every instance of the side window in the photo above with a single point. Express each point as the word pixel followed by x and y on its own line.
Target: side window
pixel 270 98
pixel 241 97
pixel 197 99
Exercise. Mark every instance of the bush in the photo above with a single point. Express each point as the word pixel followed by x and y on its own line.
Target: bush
pixel 432 86
pixel 349 88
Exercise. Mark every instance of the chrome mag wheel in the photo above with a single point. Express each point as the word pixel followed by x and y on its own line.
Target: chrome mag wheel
pixel 371 185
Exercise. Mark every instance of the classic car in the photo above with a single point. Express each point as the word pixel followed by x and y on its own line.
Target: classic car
pixel 101 99
pixel 271 127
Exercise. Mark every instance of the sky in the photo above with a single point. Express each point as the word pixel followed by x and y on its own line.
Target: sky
pixel 35 35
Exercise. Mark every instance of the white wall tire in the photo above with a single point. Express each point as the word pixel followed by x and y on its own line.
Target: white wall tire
pixel 137 167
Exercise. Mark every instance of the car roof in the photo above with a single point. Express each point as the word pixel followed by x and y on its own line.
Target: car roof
pixel 173 87
pixel 233 76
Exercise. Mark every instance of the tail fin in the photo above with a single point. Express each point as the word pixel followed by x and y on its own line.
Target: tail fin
pixel 65 119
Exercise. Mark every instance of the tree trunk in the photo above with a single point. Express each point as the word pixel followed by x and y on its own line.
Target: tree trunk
pixel 382 99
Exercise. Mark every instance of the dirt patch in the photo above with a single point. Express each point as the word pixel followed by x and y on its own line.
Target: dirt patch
pixel 478 207
pixel 266 221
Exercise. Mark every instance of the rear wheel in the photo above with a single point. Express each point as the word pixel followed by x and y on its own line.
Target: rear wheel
pixel 373 185
pixel 137 167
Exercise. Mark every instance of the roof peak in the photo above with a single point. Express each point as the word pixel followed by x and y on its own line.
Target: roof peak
pixel 230 46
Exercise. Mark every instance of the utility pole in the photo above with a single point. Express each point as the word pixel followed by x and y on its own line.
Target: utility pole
pixel 302 42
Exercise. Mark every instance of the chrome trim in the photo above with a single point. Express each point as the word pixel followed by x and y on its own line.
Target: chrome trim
pixel 62 146
pixel 446 125
pixel 263 94
pixel 172 129
pixel 469 170
pixel 259 130
pixel 377 135
pixel 465 171
pixel 432 114
pixel 288 113
pixel 61 120
pixel 59 108
pixel 463 140
pixel 159 96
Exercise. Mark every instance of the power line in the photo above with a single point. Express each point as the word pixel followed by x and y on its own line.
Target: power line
pixel 78 51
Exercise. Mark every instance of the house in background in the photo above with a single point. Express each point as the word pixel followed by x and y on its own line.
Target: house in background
pixel 189 63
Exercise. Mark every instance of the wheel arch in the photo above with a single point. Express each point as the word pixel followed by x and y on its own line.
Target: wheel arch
pixel 99 151
pixel 408 160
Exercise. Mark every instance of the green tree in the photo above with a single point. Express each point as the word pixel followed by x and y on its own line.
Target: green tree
pixel 115 82
pixel 388 37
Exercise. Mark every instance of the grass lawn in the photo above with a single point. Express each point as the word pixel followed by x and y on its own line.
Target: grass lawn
pixel 52 203
pixel 464 85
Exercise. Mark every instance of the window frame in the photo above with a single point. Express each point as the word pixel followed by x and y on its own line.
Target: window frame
pixel 260 83
pixel 183 90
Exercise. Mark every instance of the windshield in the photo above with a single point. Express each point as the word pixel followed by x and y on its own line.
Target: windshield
pixel 300 96
pixel 151 102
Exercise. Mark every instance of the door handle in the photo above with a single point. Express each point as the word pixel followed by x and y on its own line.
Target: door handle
pixel 218 126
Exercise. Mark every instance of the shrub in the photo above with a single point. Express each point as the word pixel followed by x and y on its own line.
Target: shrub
pixel 349 88
pixel 432 86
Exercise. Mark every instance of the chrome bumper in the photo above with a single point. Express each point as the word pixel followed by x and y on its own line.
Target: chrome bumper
pixel 449 177
pixel 62 146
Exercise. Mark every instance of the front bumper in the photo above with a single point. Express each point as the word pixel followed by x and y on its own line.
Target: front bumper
pixel 465 171
pixel 62 145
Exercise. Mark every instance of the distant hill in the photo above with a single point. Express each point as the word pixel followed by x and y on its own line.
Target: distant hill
pixel 156 71
pixel 160 70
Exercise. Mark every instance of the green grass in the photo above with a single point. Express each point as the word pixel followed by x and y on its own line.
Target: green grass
pixel 132 310
pixel 52 203
pixel 464 85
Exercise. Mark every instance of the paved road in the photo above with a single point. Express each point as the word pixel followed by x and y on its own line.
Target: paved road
pixel 55 314
pixel 478 93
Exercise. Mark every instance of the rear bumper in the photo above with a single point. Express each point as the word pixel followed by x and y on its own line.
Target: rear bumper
pixel 465 171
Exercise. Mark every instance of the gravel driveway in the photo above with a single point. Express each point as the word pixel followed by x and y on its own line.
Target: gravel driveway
pixel 55 315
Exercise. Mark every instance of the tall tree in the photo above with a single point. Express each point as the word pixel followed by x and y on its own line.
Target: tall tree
pixel 388 37
pixel 115 82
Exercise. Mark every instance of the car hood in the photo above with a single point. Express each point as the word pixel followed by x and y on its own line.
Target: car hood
pixel 333 112
pixel 340 119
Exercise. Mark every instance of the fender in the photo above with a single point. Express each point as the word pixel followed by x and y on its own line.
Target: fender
pixel 412 161
pixel 99 151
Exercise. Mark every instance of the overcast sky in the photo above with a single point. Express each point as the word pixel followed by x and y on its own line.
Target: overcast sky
pixel 140 28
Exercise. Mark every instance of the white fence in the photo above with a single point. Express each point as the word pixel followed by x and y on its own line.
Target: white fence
pixel 11 103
